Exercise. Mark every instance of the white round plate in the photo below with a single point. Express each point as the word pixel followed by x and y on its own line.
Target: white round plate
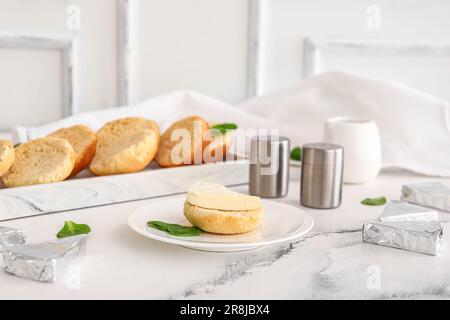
pixel 280 223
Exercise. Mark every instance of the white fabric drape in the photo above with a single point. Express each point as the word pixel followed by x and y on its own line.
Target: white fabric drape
pixel 414 126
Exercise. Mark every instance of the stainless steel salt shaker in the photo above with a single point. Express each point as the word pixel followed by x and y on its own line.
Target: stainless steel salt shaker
pixel 321 179
pixel 269 166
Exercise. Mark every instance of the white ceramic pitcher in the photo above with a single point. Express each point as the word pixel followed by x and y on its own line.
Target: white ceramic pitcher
pixel 362 147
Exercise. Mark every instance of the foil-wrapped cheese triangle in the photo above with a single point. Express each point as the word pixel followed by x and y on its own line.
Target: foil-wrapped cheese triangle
pixel 11 236
pixel 403 211
pixel 428 194
pixel 46 261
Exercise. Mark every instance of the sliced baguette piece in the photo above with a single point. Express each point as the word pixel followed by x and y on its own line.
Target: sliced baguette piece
pixel 7 155
pixel 40 161
pixel 222 221
pixel 83 141
pixel 125 145
pixel 173 152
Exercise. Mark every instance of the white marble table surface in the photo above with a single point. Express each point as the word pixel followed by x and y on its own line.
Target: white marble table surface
pixel 331 262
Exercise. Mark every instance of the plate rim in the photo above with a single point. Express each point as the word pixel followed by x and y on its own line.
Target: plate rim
pixel 302 230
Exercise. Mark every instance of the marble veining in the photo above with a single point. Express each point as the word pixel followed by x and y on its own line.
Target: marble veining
pixel 95 191
pixel 340 270
pixel 331 262
pixel 244 266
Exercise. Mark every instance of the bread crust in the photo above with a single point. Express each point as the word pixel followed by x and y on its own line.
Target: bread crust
pixel 40 161
pixel 125 145
pixel 7 155
pixel 83 141
pixel 197 143
pixel 223 222
pixel 217 147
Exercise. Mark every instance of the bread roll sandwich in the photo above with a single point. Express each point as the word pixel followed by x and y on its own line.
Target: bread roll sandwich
pixel 125 145
pixel 7 155
pixel 182 143
pixel 191 141
pixel 216 209
pixel 40 161
pixel 83 141
pixel 217 146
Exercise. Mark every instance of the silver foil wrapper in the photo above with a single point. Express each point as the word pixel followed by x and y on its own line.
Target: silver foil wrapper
pixel 417 236
pixel 403 211
pixel 429 194
pixel 11 236
pixel 47 261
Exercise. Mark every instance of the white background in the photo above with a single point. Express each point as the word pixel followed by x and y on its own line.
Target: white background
pixel 202 45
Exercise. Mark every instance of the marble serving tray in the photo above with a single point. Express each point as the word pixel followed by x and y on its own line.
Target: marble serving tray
pixel 90 191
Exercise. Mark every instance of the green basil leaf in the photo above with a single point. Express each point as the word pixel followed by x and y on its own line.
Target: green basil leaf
pixel 175 229
pixel 158 225
pixel 72 229
pixel 374 201
pixel 223 127
pixel 296 154
pixel 184 232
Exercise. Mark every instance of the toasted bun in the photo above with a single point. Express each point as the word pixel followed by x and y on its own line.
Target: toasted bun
pixel 223 222
pixel 83 141
pixel 7 155
pixel 125 145
pixel 174 147
pixel 40 161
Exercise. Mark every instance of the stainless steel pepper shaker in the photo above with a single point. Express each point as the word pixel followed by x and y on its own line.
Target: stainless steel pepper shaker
pixel 321 179
pixel 269 166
